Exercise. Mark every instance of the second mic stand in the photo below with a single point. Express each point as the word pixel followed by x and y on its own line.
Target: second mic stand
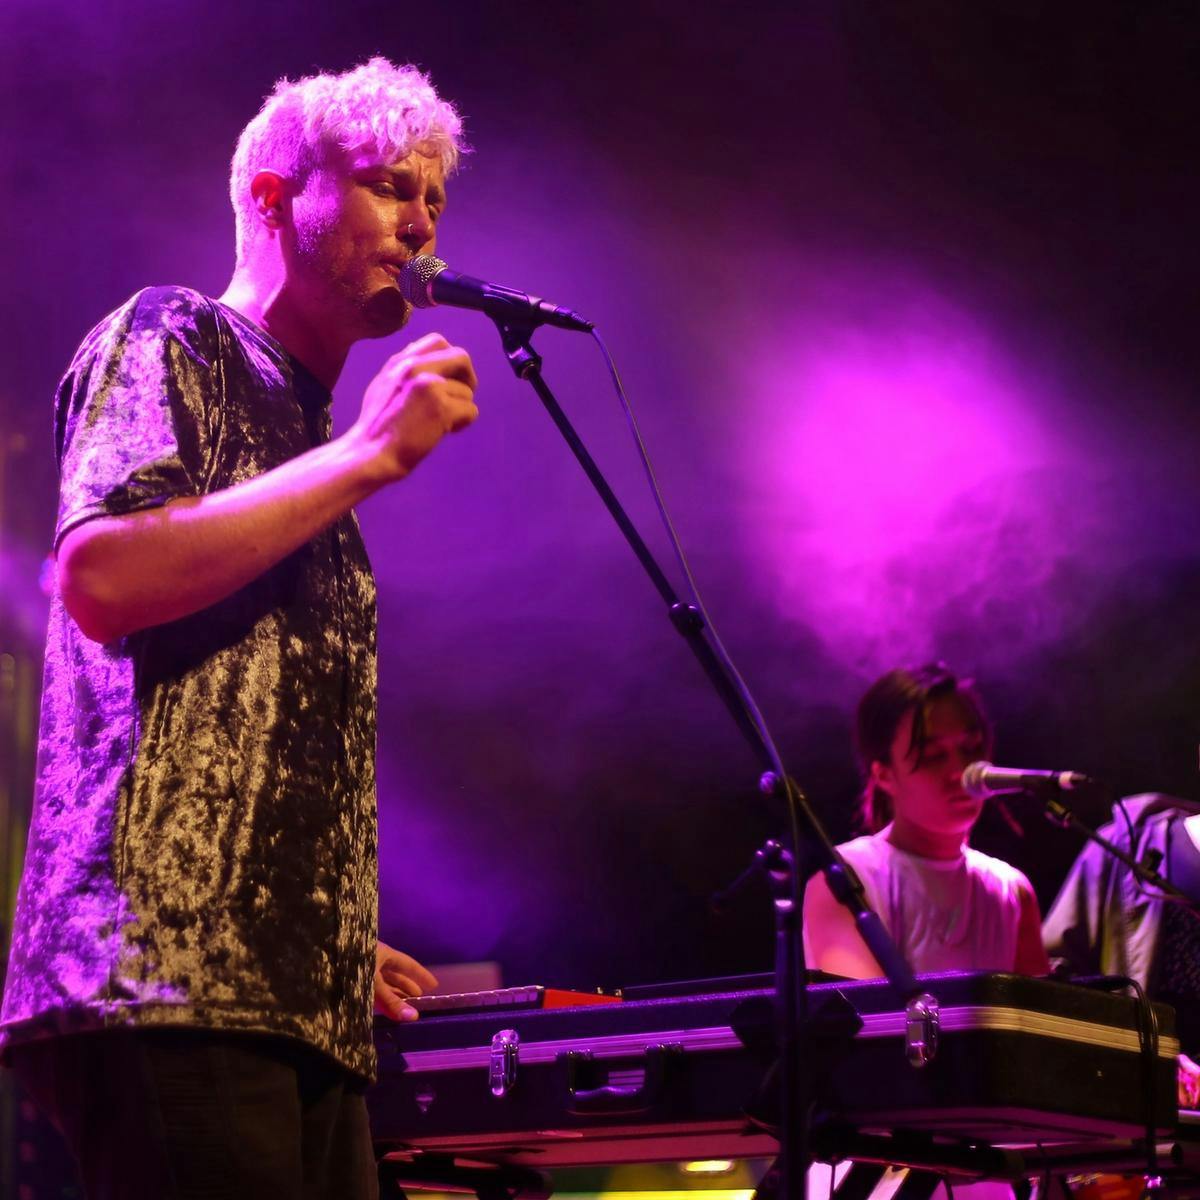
pixel 787 884
pixel 1057 813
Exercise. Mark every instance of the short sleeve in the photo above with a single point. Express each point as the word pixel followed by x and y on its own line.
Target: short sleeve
pixel 133 412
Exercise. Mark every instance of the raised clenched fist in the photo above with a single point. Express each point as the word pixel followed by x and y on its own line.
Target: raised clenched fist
pixel 422 393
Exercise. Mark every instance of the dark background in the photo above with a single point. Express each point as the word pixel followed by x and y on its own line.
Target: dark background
pixel 905 295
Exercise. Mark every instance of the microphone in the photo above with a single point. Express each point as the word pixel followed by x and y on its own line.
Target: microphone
pixel 426 281
pixel 981 781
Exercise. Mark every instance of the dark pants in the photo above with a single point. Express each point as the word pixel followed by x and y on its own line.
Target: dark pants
pixel 193 1115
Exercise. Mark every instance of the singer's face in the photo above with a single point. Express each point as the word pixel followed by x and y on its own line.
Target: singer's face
pixel 357 221
pixel 925 781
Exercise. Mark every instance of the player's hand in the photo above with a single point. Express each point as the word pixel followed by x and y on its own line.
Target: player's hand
pixel 422 393
pixel 1187 1082
pixel 398 978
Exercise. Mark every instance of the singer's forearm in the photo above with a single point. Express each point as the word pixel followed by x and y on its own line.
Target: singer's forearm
pixel 122 574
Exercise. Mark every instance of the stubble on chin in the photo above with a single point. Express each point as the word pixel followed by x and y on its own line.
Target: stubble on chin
pixel 385 312
pixel 363 307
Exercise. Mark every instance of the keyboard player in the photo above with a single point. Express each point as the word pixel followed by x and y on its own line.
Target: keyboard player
pixel 947 905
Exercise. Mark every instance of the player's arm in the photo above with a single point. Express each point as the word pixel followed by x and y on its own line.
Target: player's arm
pixel 125 573
pixel 1031 953
pixel 832 938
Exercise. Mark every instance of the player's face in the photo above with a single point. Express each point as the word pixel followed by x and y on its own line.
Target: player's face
pixel 357 222
pixel 925 782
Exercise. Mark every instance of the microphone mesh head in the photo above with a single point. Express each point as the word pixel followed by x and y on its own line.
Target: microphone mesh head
pixel 416 277
pixel 974 780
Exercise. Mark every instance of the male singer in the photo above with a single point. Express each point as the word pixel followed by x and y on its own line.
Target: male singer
pixel 194 954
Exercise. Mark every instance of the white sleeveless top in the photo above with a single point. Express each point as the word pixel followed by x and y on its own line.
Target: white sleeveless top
pixel 960 914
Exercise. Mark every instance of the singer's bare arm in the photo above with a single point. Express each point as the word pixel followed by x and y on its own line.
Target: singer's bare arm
pixel 122 574
pixel 832 937
pixel 1031 952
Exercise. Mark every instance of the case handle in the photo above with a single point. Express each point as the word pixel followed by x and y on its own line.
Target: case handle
pixel 660 1060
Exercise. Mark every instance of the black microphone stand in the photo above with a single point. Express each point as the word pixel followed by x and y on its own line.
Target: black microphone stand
pixel 787 881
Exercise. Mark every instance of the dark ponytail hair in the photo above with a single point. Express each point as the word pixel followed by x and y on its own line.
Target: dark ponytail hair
pixel 884 706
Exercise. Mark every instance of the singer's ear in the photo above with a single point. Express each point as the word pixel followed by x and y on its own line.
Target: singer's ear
pixel 882 776
pixel 267 189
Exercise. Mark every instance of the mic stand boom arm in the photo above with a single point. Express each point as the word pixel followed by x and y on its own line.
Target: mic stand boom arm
pixel 1059 814
pixel 791 995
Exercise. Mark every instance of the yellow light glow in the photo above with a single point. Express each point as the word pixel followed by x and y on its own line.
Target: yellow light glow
pixel 708 1194
pixel 709 1166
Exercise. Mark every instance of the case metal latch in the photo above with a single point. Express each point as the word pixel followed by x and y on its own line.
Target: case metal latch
pixel 503 1062
pixel 921 1024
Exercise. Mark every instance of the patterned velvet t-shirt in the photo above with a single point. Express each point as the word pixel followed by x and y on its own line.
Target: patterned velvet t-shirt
pixel 203 844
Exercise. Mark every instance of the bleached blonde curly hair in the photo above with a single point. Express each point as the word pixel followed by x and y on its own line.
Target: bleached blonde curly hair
pixel 377 107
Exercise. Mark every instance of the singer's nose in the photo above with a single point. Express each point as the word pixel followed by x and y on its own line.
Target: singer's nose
pixel 959 761
pixel 416 230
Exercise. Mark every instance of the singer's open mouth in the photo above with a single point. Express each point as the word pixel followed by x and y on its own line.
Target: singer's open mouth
pixel 395 267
